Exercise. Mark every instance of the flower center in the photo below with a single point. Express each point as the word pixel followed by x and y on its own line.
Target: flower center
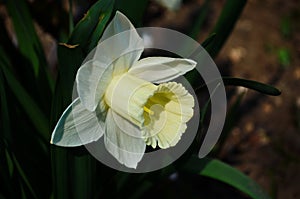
pixel 147 110
pixel 172 107
pixel 161 112
pixel 127 95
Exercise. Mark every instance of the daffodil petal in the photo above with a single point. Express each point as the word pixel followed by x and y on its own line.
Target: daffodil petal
pixel 123 140
pixel 161 69
pixel 121 42
pixel 92 79
pixel 77 126
pixel 119 23
pixel 119 48
pixel 172 106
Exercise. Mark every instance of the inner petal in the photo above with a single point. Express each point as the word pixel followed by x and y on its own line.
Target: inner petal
pixel 172 107
pixel 127 95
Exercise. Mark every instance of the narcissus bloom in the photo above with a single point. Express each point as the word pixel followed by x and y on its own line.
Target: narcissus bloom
pixel 129 101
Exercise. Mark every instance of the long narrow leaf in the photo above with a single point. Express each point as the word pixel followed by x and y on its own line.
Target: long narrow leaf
pixel 133 9
pixel 225 24
pixel 71 22
pixel 260 87
pixel 23 175
pixel 200 20
pixel 251 84
pixel 220 171
pixel 27 38
pixel 28 59
pixel 36 116
pixel 59 163
pixel 5 122
pixel 209 40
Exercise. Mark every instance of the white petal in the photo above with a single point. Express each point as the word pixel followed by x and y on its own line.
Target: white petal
pixel 116 52
pixel 161 69
pixel 92 79
pixel 118 24
pixel 123 140
pixel 77 126
pixel 120 39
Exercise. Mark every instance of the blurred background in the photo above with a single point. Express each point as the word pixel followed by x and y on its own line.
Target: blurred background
pixel 264 46
pixel 264 136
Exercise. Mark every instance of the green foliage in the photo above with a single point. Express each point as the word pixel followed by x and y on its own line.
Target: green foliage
pixel 257 86
pixel 36 116
pixel 133 9
pixel 28 41
pixel 220 171
pixel 225 24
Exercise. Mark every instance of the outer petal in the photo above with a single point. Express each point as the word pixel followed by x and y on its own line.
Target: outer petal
pixel 119 48
pixel 77 126
pixel 119 24
pixel 123 140
pixel 92 79
pixel 121 42
pixel 161 69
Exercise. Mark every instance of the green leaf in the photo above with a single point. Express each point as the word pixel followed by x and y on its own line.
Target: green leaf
pixel 27 38
pixel 9 163
pixel 28 58
pixel 89 29
pixel 69 61
pixel 23 175
pixel 5 122
pixel 82 170
pixel 23 194
pixel 209 40
pixel 206 43
pixel 71 22
pixel 73 172
pixel 200 19
pixel 36 116
pixel 220 171
pixel 230 14
pixel 133 9
pixel 257 86
pixel 59 164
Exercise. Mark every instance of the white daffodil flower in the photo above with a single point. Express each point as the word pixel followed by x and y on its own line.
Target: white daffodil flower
pixel 118 98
